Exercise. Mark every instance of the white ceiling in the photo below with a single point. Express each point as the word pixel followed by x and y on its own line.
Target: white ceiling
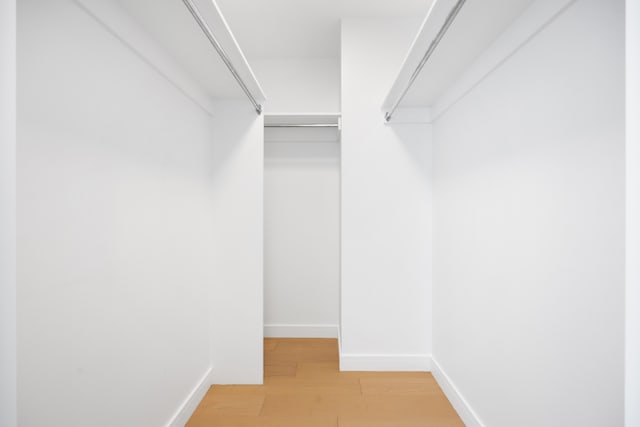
pixel 305 28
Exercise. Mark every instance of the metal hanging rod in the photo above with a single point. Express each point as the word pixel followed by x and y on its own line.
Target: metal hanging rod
pixel 302 125
pixel 432 47
pixel 223 55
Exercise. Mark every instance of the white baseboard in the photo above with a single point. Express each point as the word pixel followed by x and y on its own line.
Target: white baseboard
pixel 191 402
pixel 300 331
pixel 385 362
pixel 466 413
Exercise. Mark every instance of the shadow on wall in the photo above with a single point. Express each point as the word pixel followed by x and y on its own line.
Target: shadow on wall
pixel 236 127
pixel 307 154
pixel 417 142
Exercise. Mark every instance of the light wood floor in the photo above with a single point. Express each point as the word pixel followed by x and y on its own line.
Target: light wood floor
pixel 304 388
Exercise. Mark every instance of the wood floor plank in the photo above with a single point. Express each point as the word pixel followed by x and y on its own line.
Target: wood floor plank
pixel 393 406
pixel 303 387
pixel 284 369
pixel 267 421
pixel 324 371
pixel 300 355
pixel 287 385
pixel 242 390
pixel 234 405
pixel 313 404
pixel 400 386
pixel 270 344
pixel 288 421
pixel 319 368
pixel 306 343
pixel 370 421
pixel 302 350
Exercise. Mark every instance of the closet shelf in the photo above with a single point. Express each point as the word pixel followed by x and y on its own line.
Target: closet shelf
pixel 168 38
pixel 469 28
pixel 294 120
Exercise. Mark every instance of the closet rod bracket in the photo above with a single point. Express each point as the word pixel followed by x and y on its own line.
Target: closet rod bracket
pixel 221 52
pixel 432 47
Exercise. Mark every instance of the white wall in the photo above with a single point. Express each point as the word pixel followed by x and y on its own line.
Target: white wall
pixel 632 389
pixel 120 180
pixel 299 85
pixel 302 232
pixel 302 197
pixel 7 213
pixel 237 299
pixel 386 209
pixel 529 229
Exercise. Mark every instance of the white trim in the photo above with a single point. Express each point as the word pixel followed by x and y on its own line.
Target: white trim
pixel 121 25
pixel 274 119
pixel 460 404
pixel 8 360
pixel 519 33
pixel 300 331
pixel 431 24
pixel 385 362
pixel 218 25
pixel 287 114
pixel 632 252
pixel 524 29
pixel 189 405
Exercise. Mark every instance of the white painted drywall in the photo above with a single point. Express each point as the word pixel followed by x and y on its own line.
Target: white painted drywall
pixel 529 229
pixel 386 209
pixel 632 389
pixel 299 85
pixel 302 196
pixel 302 232
pixel 8 213
pixel 237 305
pixel 115 229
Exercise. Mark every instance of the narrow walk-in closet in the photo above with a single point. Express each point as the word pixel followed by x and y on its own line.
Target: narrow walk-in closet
pixel 339 213
pixel 302 226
